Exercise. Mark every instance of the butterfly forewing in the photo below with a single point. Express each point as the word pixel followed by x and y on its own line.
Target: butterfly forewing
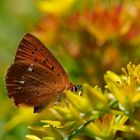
pixel 36 76
pixel 32 49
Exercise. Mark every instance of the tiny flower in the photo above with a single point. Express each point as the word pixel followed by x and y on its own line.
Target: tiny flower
pixel 125 88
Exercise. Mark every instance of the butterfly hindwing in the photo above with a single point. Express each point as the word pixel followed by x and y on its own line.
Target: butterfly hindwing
pixel 32 83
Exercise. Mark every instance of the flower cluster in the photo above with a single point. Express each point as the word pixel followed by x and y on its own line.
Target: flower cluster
pixel 96 114
pixel 95 36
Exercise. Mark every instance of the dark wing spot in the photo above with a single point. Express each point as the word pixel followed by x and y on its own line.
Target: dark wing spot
pixel 58 74
pixel 35 59
pixel 44 61
pixel 52 68
pixel 35 49
pixel 41 49
pixel 33 52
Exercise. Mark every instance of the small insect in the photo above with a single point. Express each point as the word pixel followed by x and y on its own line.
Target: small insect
pixel 36 77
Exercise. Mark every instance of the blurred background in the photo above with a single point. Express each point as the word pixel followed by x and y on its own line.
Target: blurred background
pixel 87 37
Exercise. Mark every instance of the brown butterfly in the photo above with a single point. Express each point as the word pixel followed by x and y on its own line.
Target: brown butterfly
pixel 35 77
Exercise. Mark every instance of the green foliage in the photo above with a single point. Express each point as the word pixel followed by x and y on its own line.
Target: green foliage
pixel 88 37
pixel 97 114
pixel 16 18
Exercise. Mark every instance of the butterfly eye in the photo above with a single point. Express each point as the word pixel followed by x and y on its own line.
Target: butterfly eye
pixel 74 89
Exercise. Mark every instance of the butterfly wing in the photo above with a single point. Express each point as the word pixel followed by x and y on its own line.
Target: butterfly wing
pixel 32 49
pixel 35 78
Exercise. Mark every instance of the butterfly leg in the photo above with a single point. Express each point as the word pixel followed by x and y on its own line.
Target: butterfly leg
pixel 59 98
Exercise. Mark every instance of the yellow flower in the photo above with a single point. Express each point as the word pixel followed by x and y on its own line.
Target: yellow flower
pixel 125 88
pixel 56 7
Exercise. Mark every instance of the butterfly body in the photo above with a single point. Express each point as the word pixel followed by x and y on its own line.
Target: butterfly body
pixel 35 77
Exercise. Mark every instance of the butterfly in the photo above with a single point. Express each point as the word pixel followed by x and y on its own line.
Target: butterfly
pixel 36 77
